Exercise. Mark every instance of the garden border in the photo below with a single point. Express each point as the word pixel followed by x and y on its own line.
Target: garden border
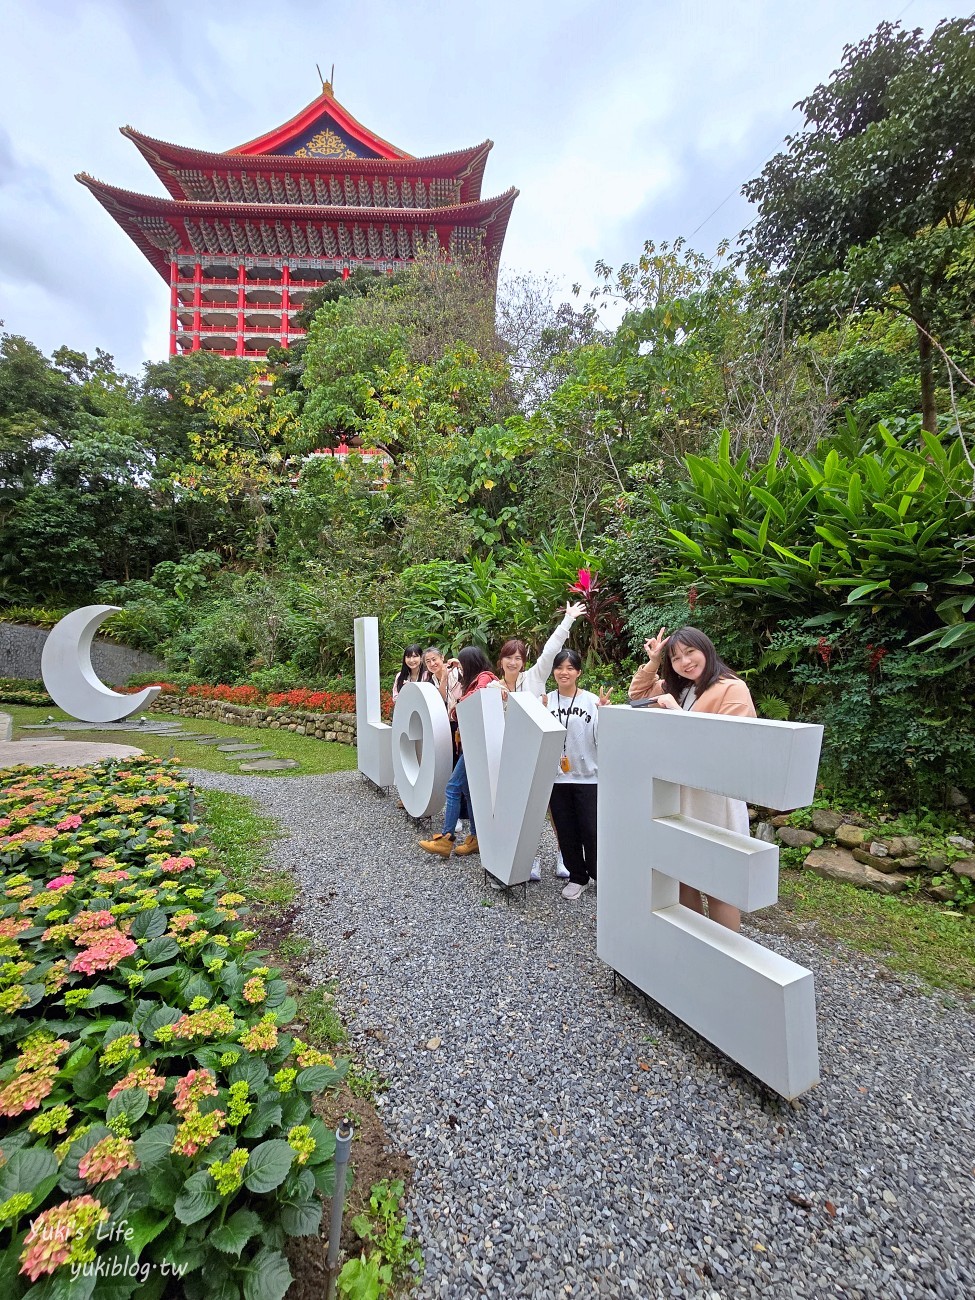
pixel 339 728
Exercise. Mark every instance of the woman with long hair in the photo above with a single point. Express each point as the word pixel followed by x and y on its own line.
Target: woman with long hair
pixel 475 674
pixel 412 669
pixel 573 801
pixel 684 672
pixel 514 675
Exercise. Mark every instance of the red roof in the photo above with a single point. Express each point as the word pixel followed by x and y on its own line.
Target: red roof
pixel 130 208
pixel 166 159
pixel 324 108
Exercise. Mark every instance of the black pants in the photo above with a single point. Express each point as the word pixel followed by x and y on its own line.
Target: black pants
pixel 574 814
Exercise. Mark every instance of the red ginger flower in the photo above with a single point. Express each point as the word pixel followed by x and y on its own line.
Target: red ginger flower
pixel 583 582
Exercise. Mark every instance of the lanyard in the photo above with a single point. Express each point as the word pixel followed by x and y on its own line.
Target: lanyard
pixel 568 709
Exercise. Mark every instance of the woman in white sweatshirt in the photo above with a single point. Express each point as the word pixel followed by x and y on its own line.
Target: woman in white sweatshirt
pixel 573 801
pixel 514 676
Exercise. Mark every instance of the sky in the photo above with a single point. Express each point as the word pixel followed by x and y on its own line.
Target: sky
pixel 619 121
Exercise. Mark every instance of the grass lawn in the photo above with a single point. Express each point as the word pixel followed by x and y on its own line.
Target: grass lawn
pixel 314 756
pixel 909 937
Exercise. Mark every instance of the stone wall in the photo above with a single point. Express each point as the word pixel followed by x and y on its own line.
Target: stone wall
pixel 20 656
pixel 338 727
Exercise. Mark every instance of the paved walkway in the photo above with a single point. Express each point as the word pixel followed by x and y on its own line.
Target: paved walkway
pixel 569 1142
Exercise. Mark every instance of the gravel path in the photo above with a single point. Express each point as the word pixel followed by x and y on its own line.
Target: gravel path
pixel 572 1143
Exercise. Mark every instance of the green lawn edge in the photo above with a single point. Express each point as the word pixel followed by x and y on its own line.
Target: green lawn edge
pixel 315 757
pixel 907 936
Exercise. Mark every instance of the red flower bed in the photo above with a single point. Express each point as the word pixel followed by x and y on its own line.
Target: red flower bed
pixel 301 698
pixel 319 701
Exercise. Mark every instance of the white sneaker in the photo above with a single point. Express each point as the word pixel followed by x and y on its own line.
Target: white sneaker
pixel 573 891
pixel 561 870
pixel 536 869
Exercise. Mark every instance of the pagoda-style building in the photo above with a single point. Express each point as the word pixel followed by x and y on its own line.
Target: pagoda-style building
pixel 249 234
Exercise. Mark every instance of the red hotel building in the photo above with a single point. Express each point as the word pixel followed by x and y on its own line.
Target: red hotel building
pixel 248 234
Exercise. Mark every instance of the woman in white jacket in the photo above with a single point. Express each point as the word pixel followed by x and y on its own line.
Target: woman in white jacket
pixel 514 676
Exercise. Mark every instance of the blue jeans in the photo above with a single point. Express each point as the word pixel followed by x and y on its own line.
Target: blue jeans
pixel 458 792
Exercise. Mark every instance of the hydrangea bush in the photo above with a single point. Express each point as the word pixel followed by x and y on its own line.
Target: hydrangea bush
pixel 156 1131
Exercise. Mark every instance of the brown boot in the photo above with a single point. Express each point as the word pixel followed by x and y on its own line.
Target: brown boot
pixel 469 846
pixel 443 845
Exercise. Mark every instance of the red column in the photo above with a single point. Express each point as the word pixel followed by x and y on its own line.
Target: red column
pixel 241 282
pixel 173 305
pixel 197 303
pixel 285 304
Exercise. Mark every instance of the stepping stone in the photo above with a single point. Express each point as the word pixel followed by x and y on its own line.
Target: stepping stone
pixel 208 740
pixel 236 749
pixel 261 753
pixel 268 765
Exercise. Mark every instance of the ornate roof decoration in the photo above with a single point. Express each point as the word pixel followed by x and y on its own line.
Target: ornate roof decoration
pixel 324 115
pixel 309 176
pixel 166 229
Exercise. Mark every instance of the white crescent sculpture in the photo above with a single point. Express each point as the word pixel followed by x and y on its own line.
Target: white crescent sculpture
pixel 69 677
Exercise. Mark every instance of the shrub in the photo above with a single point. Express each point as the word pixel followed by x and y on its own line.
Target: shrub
pixel 16 691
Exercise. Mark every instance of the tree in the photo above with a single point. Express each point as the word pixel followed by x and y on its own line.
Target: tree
pixel 872 203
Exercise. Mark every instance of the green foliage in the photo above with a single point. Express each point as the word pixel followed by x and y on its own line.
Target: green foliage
pixel 871 204
pixel 16 691
pixel 895 719
pixel 886 527
pixel 390 1259
pixel 482 602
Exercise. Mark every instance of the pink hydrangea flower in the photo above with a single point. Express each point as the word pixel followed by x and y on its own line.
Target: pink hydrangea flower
pixel 175 865
pixel 60 882
pixel 61 1236
pixel 86 921
pixel 107 1159
pixel 105 952
pixel 26 1091
pixel 189 1090
pixel 70 823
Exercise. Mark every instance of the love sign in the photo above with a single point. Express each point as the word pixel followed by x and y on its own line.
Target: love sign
pixel 757 1007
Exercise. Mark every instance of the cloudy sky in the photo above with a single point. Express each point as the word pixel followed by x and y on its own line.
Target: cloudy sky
pixel 619 120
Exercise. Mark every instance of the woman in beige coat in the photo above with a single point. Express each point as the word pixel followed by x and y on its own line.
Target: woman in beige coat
pixel 683 672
